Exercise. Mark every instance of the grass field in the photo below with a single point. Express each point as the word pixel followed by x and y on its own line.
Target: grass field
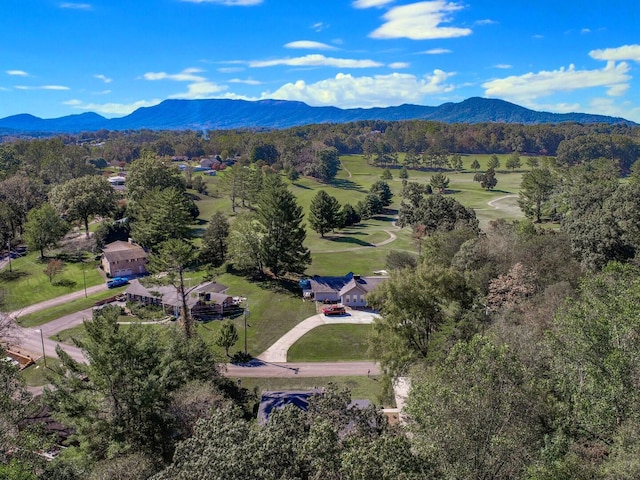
pixel 27 284
pixel 330 343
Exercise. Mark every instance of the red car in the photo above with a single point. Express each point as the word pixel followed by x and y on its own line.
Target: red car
pixel 334 310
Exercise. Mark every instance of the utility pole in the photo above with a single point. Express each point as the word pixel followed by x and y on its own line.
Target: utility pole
pixel 44 355
pixel 246 310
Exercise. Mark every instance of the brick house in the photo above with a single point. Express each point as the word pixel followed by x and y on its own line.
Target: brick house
pixel 124 259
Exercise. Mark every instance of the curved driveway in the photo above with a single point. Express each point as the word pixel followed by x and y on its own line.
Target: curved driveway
pixel 278 351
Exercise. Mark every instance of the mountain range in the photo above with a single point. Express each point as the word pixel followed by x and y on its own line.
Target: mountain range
pixel 221 114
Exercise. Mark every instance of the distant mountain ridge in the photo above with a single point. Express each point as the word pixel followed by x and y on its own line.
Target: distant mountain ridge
pixel 221 114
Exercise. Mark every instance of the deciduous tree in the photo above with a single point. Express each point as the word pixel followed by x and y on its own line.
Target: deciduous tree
pixel 44 228
pixel 227 336
pixel 83 198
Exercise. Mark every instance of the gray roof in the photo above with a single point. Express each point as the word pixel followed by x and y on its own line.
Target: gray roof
pixel 119 251
pixel 343 285
pixel 169 295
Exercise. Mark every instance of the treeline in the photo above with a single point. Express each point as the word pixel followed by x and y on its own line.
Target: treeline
pixel 298 147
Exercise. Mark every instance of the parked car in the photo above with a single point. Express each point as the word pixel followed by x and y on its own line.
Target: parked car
pixel 334 310
pixel 117 282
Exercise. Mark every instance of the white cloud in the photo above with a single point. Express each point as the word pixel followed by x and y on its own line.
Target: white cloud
pixel 76 6
pixel 626 52
pixel 538 37
pixel 585 31
pixel 316 60
pixel 399 65
pixel 420 21
pixel 486 21
pixel 347 91
pixel 17 73
pixel 436 51
pixel 504 66
pixel 309 44
pixel 526 88
pixel 319 26
pixel 112 108
pixel 230 69
pixel 187 75
pixel 370 3
pixel 104 78
pixel 229 3
pixel 42 87
pixel 248 81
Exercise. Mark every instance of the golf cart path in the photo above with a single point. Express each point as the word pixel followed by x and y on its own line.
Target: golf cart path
pixel 392 238
pixel 277 353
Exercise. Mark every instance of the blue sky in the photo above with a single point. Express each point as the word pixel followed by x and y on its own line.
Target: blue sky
pixel 113 56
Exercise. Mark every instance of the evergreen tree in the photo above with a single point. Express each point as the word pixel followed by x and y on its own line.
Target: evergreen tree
pixel 160 215
pixel 493 163
pixel 439 182
pixel 475 165
pixel 382 190
pixel 282 246
pixel 227 336
pixel 535 189
pixel 214 240
pixel 513 161
pixel 386 174
pixel 349 215
pixel 324 213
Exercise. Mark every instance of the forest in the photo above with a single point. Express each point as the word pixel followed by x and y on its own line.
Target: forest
pixel 521 340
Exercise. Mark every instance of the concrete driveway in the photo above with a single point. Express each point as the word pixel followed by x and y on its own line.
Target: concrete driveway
pixel 278 351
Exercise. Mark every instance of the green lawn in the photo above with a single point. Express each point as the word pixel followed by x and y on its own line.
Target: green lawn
pixel 51 313
pixel 330 343
pixel 36 375
pixel 274 310
pixel 27 284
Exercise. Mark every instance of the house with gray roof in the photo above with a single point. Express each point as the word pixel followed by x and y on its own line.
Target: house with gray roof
pixel 206 301
pixel 350 290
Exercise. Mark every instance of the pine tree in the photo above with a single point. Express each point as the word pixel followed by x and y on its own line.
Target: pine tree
pixel 282 246
pixel 324 213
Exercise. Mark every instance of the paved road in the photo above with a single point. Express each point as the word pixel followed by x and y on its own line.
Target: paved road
pixel 316 369
pixel 31 339
pixel 278 351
